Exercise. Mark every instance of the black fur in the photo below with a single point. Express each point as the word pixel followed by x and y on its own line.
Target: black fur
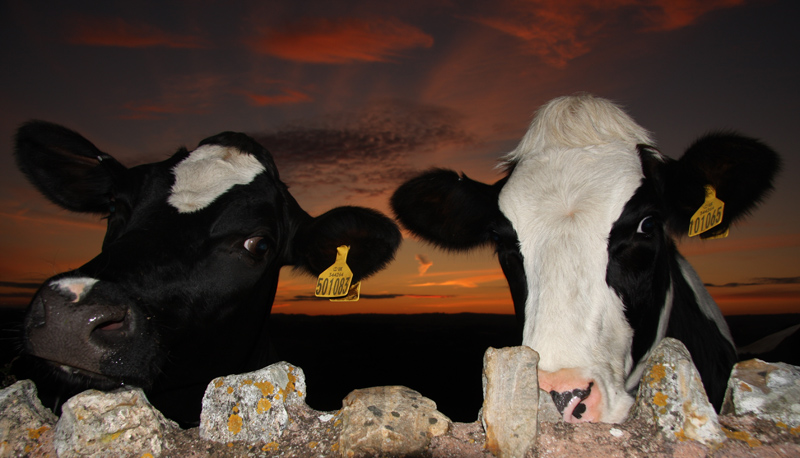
pixel 191 300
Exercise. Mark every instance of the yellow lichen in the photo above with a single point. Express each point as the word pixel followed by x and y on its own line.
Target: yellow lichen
pixel 657 373
pixel 147 455
pixel 743 436
pixel 110 437
pixel 312 444
pixel 218 382
pixel 247 382
pixel 781 424
pixel 263 405
pixel 795 430
pixel 35 433
pixel 235 424
pixel 230 389
pixel 270 447
pixel 660 399
pixel 681 435
pixel 335 447
pixel 266 388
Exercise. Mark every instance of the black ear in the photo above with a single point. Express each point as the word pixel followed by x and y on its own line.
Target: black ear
pixel 65 167
pixel 373 239
pixel 448 209
pixel 740 169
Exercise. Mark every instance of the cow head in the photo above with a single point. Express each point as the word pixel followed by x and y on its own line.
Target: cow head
pixel 584 224
pixel 185 281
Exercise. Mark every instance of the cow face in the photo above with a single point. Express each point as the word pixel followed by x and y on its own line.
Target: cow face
pixel 584 225
pixel 184 284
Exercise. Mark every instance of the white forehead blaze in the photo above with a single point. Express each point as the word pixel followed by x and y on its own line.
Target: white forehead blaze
pixel 209 172
pixel 79 286
pixel 562 204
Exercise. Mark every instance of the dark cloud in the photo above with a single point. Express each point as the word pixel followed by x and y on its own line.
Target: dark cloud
pixel 365 153
pixel 22 285
pixel 761 281
pixel 308 297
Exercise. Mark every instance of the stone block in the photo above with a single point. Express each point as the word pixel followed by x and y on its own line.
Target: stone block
pixel 117 423
pixel 671 395
pixel 510 400
pixel 388 421
pixel 251 407
pixel 767 390
pixel 23 419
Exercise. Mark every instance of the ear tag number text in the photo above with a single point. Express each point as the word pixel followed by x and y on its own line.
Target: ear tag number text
pixel 708 216
pixel 352 295
pixel 335 280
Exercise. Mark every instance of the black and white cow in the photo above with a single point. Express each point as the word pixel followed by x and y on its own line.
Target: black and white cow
pixel 182 289
pixel 583 225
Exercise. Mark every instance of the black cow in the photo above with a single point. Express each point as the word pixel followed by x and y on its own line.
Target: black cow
pixel 583 224
pixel 182 289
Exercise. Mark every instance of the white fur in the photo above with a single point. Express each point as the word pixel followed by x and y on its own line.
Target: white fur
pixel 209 172
pixel 79 286
pixel 575 170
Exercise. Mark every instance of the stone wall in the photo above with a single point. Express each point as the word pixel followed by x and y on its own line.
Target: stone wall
pixel 264 413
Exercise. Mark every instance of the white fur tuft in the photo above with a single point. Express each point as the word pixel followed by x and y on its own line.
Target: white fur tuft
pixel 577 121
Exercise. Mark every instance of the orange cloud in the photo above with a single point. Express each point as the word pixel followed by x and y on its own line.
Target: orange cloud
pixel 117 32
pixel 558 31
pixel 467 282
pixel 288 97
pixel 424 263
pixel 336 41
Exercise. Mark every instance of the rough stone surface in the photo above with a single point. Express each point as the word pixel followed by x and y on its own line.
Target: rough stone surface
pixel 23 419
pixel 767 390
pixel 389 420
pixel 121 422
pixel 547 409
pixel 314 434
pixel 671 395
pixel 511 400
pixel 251 407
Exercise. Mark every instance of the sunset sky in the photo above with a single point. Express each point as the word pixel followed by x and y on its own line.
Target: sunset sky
pixel 354 97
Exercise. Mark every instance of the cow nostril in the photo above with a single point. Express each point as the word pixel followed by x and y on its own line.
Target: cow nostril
pixel 111 326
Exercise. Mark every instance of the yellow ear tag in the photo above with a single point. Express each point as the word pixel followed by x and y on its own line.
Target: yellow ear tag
pixel 708 216
pixel 352 296
pixel 335 280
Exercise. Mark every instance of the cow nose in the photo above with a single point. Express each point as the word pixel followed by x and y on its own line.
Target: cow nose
pixel 576 397
pixel 64 330
pixel 570 403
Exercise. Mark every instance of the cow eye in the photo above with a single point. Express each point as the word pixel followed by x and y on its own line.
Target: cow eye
pixel 646 226
pixel 258 246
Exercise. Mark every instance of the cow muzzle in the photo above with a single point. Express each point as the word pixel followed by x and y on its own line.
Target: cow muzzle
pixel 74 335
pixel 576 397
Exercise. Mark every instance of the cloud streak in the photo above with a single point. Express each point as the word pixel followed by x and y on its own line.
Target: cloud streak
pixel 761 281
pixel 558 31
pixel 120 33
pixel 342 40
pixel 365 153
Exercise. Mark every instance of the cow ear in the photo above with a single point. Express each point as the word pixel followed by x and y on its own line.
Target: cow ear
pixel 372 237
pixel 65 167
pixel 448 209
pixel 740 169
